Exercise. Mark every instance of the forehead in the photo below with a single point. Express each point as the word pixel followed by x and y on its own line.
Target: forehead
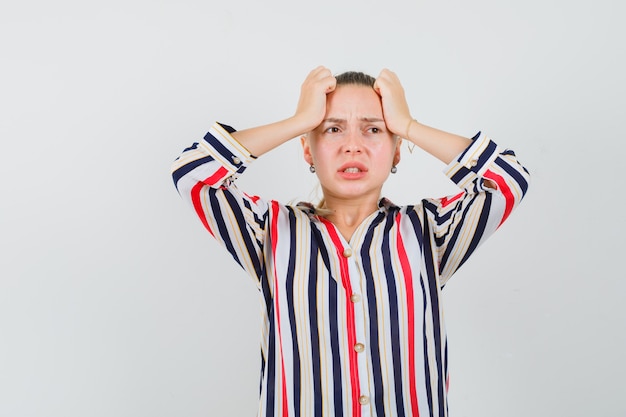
pixel 355 100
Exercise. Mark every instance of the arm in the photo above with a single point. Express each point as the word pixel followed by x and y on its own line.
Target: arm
pixel 492 179
pixel 442 145
pixel 204 174
pixel 494 183
pixel 309 114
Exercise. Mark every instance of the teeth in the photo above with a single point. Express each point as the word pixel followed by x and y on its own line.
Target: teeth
pixel 352 170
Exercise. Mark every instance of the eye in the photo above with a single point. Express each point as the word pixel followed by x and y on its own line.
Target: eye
pixel 332 129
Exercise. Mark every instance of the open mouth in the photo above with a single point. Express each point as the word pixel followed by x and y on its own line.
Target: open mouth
pixel 352 170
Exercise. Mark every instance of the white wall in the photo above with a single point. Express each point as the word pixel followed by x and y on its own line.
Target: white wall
pixel 115 302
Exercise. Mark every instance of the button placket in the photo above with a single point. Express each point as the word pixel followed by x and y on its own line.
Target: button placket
pixel 360 346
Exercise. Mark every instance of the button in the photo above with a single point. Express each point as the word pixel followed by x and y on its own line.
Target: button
pixel 355 298
pixel 347 252
pixel 364 400
pixel 473 162
pixel 359 347
pixel 236 160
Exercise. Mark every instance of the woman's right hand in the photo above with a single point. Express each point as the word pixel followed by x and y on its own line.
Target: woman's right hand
pixel 311 107
pixel 309 115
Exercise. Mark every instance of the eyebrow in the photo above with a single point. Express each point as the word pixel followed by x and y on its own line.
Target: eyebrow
pixel 363 119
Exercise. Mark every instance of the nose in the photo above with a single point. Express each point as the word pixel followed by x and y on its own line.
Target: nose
pixel 353 143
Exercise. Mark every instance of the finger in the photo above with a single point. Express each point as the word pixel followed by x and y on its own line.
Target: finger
pixel 388 74
pixel 384 74
pixel 316 74
pixel 320 72
pixel 377 86
pixel 331 86
pixel 323 80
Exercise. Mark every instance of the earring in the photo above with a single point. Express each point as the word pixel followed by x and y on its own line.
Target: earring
pixel 394 169
pixel 312 169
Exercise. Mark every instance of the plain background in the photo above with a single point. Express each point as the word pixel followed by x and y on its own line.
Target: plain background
pixel 115 302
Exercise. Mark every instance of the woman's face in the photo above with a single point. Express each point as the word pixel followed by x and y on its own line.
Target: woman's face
pixel 351 149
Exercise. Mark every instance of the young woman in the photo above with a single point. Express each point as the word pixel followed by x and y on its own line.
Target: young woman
pixel 352 319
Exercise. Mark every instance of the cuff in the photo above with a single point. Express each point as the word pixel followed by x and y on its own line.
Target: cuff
pixel 225 149
pixel 474 161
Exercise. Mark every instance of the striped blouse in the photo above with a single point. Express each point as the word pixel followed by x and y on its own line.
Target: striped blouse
pixel 350 328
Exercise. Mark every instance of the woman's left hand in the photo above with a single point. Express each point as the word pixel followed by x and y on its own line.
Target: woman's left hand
pixel 395 108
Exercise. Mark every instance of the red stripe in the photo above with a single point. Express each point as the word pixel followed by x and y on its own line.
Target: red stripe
pixel 196 193
pixel 410 302
pixel 217 176
pixel 445 201
pixel 345 280
pixel 196 200
pixel 505 190
pixel 276 303
pixel 253 198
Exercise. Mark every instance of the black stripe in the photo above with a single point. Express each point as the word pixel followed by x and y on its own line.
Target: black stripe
pixel 442 219
pixel 431 277
pixel 445 369
pixel 289 289
pixel 262 372
pixel 334 346
pixel 433 296
pixel 423 238
pixel 485 155
pixel 515 174
pixel 270 401
pixel 192 147
pixel 461 173
pixel 434 208
pixel 465 151
pixel 260 221
pixel 480 228
pixel 227 128
pixel 417 225
pixel 224 151
pixel 266 290
pixel 379 394
pixel 313 326
pixel 427 381
pixel 251 249
pixel 333 325
pixel 394 315
pixel 317 235
pixel 216 209
pixel 450 246
pixel 185 169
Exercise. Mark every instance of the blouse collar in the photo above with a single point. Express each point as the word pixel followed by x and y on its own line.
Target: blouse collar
pixel 384 205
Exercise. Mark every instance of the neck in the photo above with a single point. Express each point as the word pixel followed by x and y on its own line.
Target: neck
pixel 347 215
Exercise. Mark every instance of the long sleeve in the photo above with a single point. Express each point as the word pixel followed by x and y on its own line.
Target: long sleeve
pixel 204 176
pixel 463 222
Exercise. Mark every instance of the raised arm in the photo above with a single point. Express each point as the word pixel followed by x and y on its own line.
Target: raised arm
pixel 205 173
pixel 442 145
pixel 492 179
pixel 309 114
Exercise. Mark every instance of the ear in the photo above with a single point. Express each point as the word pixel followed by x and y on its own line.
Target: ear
pixel 396 154
pixel 306 149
